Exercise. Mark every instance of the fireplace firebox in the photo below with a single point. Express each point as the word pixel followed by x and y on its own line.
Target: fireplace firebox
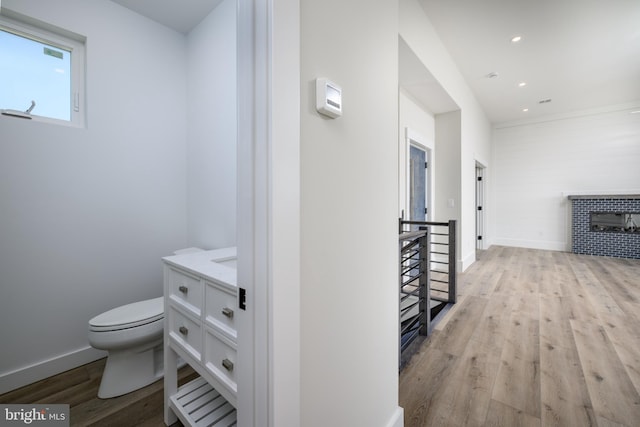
pixel 617 222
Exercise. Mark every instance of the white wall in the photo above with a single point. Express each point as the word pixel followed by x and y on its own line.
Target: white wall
pixel 211 129
pixel 448 176
pixel 349 196
pixel 420 121
pixel 475 137
pixel 87 213
pixel 476 147
pixel 537 165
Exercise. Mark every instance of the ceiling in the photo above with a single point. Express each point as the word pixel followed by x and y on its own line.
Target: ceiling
pixel 181 15
pixel 580 54
pixel 419 83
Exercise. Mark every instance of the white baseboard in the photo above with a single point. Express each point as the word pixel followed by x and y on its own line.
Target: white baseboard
pixel 397 420
pixel 466 262
pixel 488 243
pixel 533 244
pixel 46 368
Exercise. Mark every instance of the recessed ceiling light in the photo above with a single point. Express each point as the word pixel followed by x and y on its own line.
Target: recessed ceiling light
pixel 516 39
pixel 634 112
pixel 524 110
pixel 522 84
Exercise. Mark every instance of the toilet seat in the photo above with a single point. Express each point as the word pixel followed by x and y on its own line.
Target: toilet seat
pixel 129 316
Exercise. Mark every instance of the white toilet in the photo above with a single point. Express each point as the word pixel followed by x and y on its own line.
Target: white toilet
pixel 132 334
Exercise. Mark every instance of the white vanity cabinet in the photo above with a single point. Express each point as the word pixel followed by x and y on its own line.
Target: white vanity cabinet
pixel 200 301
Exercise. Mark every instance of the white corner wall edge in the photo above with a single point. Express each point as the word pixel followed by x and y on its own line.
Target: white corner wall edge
pixel 38 371
pixel 397 420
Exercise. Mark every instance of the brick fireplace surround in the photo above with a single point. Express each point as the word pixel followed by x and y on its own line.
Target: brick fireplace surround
pixel 614 244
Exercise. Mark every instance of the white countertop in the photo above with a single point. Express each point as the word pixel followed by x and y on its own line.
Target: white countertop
pixel 215 265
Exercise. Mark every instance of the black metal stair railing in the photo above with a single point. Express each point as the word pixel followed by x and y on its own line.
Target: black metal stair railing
pixel 414 292
pixel 442 260
pixel 427 275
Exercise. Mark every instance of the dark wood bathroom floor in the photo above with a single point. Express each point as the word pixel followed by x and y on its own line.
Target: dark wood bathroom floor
pixel 79 389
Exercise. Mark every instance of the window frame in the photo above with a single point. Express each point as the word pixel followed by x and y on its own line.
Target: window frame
pixel 41 32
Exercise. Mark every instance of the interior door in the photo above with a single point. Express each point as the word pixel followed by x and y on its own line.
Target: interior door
pixel 418 201
pixel 479 207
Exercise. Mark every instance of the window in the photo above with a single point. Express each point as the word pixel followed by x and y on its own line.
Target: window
pixel 41 72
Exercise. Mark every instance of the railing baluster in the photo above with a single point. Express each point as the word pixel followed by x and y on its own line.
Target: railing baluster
pixel 425 297
pixel 452 261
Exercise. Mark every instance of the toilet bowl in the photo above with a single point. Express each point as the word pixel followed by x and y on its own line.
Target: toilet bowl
pixel 132 334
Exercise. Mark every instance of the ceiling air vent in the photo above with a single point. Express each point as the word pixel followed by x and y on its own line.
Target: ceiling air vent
pixel 544 101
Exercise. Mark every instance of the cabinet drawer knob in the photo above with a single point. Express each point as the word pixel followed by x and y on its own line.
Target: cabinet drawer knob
pixel 183 289
pixel 228 364
pixel 227 312
pixel 183 330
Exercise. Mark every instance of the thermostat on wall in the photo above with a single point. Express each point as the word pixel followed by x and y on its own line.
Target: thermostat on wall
pixel 328 98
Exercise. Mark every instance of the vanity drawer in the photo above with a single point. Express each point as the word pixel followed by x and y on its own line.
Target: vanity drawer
pixel 186 289
pixel 186 332
pixel 220 359
pixel 221 308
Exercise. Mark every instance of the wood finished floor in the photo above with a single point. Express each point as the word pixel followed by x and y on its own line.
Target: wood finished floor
pixel 79 389
pixel 537 338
